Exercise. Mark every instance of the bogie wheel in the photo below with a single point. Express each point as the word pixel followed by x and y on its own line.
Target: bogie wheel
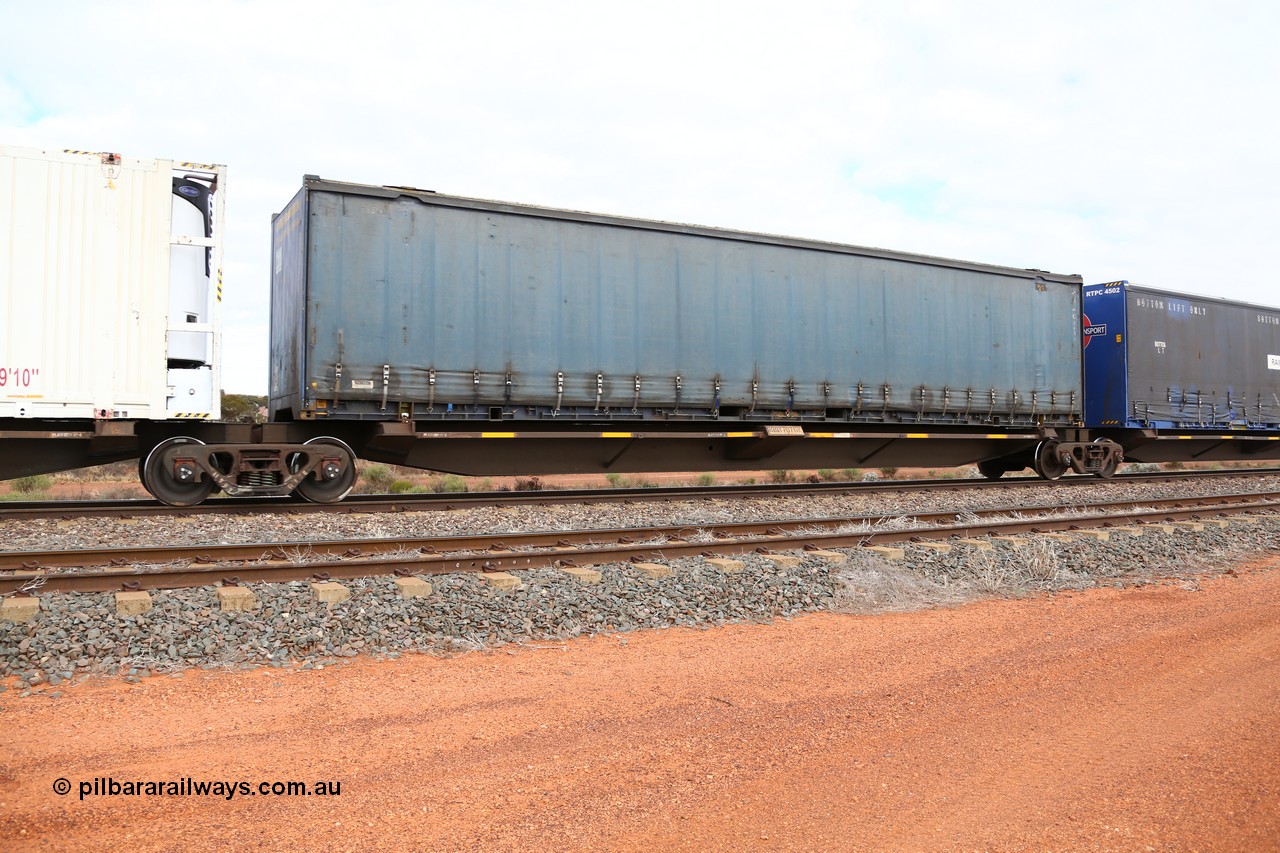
pixel 991 469
pixel 1107 471
pixel 320 489
pixel 169 483
pixel 1047 464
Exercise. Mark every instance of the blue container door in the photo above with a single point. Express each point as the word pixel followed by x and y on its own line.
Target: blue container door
pixel 1106 368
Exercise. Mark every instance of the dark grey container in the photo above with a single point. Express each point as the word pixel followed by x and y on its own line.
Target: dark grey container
pixel 402 303
pixel 1196 361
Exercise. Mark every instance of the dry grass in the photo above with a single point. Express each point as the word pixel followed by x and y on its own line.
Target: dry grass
pixel 870 584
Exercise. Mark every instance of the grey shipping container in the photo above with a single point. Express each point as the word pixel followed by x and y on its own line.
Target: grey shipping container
pixel 1168 360
pixel 394 303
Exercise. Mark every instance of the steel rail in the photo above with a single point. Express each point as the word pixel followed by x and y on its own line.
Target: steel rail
pixel 433 502
pixel 353 548
pixel 431 561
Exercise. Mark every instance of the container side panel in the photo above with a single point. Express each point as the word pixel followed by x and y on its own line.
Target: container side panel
pixel 1106 402
pixel 83 284
pixel 288 308
pixel 1201 362
pixel 572 312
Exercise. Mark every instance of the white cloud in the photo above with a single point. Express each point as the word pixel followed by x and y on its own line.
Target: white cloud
pixel 1115 140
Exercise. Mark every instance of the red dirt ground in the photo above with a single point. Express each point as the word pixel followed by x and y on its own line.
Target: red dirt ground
pixel 1135 719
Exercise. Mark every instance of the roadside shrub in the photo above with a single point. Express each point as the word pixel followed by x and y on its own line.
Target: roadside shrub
pixel 23 496
pixel 399 487
pixel 827 474
pixel 615 480
pixel 528 484
pixel 851 473
pixel 377 477
pixel 34 483
pixel 706 480
pixel 889 471
pixel 450 483
pixel 780 477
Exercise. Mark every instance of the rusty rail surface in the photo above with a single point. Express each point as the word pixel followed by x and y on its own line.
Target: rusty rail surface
pixel 430 502
pixel 497 552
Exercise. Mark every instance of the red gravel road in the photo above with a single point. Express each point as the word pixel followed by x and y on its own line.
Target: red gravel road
pixel 1135 719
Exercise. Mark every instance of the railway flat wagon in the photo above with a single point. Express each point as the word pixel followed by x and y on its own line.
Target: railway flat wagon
pixel 604 342
pixel 1188 378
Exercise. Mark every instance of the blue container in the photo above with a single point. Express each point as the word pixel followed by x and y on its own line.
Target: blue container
pixel 1157 359
pixel 398 303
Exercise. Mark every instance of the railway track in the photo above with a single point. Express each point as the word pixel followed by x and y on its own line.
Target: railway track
pixel 204 565
pixel 431 502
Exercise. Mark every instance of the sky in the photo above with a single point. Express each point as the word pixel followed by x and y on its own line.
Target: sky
pixel 1116 140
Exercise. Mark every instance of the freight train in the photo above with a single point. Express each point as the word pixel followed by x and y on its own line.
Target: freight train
pixel 487 338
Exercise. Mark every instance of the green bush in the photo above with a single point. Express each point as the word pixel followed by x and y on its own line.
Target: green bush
pixel 616 480
pixel 889 471
pixel 706 480
pixel 450 483
pixel 243 408
pixel 34 483
pixel 851 473
pixel 780 477
pixel 378 477
pixel 399 487
pixel 9 497
pixel 827 474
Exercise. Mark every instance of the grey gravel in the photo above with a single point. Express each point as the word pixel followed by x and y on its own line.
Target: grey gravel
pixel 218 528
pixel 79 634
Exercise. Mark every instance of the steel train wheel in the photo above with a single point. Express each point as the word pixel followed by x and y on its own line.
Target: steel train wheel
pixel 169 485
pixel 327 491
pixel 1107 471
pixel 1046 462
pixel 991 469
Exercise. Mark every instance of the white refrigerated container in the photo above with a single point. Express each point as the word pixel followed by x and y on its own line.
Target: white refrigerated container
pixel 110 286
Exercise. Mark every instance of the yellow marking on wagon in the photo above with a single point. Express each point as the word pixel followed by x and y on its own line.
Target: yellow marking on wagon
pixel 917 435
pixel 497 435
pixel 617 435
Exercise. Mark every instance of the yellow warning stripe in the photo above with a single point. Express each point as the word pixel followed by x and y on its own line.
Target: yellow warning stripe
pixel 219 284
pixel 997 435
pixel 617 435
pixel 190 416
pixel 497 435
pixel 917 435
pixel 740 435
